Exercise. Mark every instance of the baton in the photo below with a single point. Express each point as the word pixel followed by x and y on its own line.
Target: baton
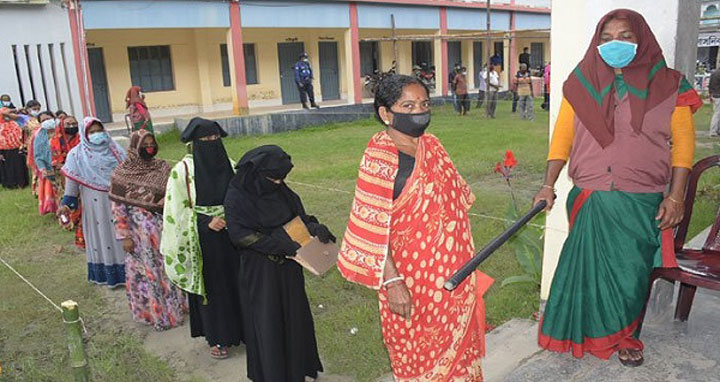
pixel 481 256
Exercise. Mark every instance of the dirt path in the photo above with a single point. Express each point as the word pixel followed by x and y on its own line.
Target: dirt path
pixel 189 357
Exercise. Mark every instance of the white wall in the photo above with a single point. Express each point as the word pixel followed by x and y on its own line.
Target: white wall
pixel 47 26
pixel 574 23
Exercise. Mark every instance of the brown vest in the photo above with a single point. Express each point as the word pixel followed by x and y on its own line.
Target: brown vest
pixel 632 162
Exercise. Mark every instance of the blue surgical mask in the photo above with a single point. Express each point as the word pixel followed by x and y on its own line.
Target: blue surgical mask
pixel 618 54
pixel 48 124
pixel 6 103
pixel 98 138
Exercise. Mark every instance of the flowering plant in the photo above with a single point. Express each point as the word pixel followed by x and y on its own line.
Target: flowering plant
pixel 505 168
pixel 527 243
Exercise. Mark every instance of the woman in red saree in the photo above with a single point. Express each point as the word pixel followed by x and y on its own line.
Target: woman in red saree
pixel 66 137
pixel 409 232
pixel 138 110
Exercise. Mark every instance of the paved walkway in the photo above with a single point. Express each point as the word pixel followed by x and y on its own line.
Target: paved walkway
pixel 674 351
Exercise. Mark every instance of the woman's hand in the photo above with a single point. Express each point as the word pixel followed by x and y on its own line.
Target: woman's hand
pixel 217 224
pixel 399 299
pixel 670 213
pixel 64 211
pixel 128 245
pixel 547 194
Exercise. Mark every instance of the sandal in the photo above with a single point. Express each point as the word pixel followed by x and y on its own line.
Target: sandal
pixel 218 352
pixel 624 355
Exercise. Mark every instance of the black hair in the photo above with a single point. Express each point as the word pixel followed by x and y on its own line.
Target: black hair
pixel 32 103
pixel 5 95
pixel 57 113
pixel 389 90
pixel 46 112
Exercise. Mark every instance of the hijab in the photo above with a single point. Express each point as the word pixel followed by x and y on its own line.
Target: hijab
pixel 213 171
pixel 265 205
pixel 133 96
pixel 590 90
pixel 62 141
pixel 139 182
pixel 92 165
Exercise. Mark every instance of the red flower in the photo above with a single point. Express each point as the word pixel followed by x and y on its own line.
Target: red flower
pixel 499 168
pixel 509 161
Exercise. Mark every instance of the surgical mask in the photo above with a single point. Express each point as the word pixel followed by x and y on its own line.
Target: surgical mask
pixel 98 138
pixel 34 113
pixel 618 54
pixel 49 124
pixel 305 60
pixel 6 103
pixel 413 125
pixel 148 152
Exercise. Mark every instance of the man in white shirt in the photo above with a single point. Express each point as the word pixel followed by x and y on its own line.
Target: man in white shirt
pixel 492 92
pixel 482 85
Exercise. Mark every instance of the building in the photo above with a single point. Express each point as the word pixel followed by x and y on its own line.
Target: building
pixel 709 36
pixel 204 56
pixel 41 57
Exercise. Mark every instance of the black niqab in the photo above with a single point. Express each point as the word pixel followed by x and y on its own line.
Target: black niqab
pixel 213 171
pixel 270 203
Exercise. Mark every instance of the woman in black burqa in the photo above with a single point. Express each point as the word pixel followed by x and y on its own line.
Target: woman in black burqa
pixel 279 329
pixel 220 319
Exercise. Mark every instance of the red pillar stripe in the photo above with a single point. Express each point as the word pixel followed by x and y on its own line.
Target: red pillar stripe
pixel 238 56
pixel 77 56
pixel 355 42
pixel 444 51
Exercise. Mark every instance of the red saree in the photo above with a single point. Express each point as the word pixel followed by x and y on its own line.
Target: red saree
pixel 428 234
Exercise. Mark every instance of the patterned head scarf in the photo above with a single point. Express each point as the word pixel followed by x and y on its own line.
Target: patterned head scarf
pixel 92 165
pixel 140 182
pixel 590 90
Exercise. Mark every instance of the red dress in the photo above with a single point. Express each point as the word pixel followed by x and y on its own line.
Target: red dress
pixel 427 233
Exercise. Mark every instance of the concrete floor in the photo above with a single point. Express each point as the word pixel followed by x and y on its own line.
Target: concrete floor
pixel 674 351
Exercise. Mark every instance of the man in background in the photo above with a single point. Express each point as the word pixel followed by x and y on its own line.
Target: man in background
pixel 304 79
pixel 714 90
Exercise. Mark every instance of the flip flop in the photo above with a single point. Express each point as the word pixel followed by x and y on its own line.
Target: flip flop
pixel 218 352
pixel 630 362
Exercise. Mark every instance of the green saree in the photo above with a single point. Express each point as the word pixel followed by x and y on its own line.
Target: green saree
pixel 602 279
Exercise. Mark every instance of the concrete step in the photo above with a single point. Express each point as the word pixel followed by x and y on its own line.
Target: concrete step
pixel 508 346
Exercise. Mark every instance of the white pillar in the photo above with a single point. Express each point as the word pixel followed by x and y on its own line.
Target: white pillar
pixel 675 25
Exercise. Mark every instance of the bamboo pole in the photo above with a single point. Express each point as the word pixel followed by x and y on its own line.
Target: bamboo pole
pixel 76 347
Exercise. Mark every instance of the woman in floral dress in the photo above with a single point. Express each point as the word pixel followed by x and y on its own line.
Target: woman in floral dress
pixel 137 192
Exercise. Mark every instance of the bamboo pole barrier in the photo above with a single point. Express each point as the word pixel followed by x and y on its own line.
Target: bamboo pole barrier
pixel 76 347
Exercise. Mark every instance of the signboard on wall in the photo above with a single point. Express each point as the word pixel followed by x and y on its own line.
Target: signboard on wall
pixel 709 39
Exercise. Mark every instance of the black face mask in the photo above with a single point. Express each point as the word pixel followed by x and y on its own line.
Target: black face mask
pixel 267 186
pixel 71 130
pixel 413 125
pixel 148 153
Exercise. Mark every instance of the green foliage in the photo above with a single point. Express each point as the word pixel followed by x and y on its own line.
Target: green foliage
pixel 528 247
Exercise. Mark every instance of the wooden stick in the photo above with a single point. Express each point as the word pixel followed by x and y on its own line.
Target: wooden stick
pixel 76 346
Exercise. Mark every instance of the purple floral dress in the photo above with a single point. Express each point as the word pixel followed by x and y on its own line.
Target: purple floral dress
pixel 154 300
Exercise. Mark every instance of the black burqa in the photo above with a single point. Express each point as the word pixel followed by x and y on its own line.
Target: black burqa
pixel 279 329
pixel 220 321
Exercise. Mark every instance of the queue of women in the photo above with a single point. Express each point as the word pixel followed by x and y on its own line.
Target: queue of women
pixel 212 229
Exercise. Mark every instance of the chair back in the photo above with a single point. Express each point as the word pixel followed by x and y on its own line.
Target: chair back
pixel 713 241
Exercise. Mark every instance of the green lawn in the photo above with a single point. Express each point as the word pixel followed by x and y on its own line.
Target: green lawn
pixel 31 336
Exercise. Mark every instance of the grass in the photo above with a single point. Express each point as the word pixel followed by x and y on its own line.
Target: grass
pixel 31 336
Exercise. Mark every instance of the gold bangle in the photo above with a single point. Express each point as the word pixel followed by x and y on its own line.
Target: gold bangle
pixel 673 200
pixel 549 187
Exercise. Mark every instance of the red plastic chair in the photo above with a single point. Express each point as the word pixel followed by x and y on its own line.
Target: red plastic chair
pixel 697 268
